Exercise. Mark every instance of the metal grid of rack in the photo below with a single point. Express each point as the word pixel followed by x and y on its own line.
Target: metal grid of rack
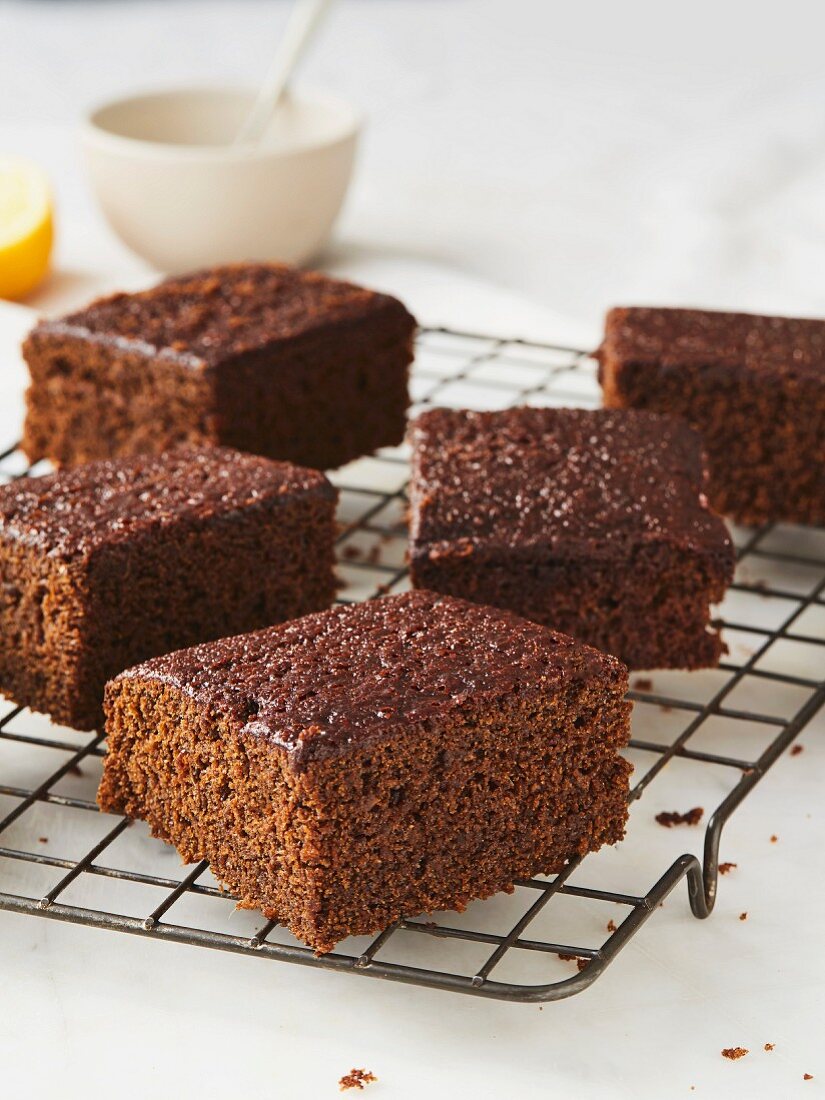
pixel 61 858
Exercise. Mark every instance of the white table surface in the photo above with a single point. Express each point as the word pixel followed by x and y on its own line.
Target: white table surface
pixel 527 164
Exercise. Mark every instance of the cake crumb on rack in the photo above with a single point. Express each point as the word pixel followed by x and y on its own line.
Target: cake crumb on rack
pixel 577 959
pixel 734 1053
pixel 724 868
pixel 669 818
pixel 356 1079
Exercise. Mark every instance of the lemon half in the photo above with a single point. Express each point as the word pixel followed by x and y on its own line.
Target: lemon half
pixel 26 227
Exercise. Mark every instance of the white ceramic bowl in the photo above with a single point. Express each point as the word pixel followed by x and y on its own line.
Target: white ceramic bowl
pixel 178 193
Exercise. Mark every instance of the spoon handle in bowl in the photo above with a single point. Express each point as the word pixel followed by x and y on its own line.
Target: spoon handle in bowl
pixel 306 18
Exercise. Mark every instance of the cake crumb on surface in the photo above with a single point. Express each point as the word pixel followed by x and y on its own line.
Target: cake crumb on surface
pixel 774 839
pixel 797 749
pixel 769 1046
pixel 669 818
pixel 725 867
pixel 807 1077
pixel 371 555
pixel 577 959
pixel 43 839
pixel 356 1079
pixel 643 683
pixel 743 916
pixel 611 925
pixel 734 1053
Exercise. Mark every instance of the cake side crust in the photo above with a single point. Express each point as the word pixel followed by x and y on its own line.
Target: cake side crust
pixel 650 611
pixel 86 402
pixel 43 606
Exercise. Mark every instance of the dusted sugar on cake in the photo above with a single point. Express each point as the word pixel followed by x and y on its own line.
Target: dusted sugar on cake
pixel 272 360
pixel 591 522
pixel 110 563
pixel 754 387
pixel 382 759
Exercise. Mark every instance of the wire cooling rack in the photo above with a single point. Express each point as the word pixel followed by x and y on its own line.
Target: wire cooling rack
pixel 713 734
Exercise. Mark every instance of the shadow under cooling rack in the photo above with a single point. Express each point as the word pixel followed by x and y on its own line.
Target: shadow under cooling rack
pixel 714 733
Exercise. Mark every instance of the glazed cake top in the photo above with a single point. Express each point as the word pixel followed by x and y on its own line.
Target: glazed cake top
pixel 678 338
pixel 321 685
pixel 73 512
pixel 210 316
pixel 568 482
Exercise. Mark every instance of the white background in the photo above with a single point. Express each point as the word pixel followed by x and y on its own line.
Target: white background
pixel 575 155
